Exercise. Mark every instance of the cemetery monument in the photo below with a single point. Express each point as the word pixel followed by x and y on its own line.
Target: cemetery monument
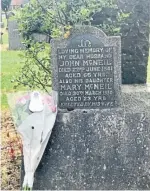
pixel 14 37
pixel 101 138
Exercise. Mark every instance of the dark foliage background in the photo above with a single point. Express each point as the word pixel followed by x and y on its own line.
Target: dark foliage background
pixel 135 38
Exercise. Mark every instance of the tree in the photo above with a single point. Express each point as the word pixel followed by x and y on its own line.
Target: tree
pixel 55 19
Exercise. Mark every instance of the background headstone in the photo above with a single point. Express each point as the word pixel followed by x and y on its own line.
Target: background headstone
pixel 135 41
pixel 40 37
pixel 134 38
pixel 10 14
pixel 15 39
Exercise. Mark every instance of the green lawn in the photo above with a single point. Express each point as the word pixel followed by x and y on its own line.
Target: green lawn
pixel 5 38
pixel 11 63
pixel 5 35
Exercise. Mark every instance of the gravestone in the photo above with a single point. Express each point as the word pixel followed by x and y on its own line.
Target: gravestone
pixel 135 41
pixel 10 14
pixel 88 70
pixel 95 146
pixel 15 39
pixel 134 37
pixel 40 37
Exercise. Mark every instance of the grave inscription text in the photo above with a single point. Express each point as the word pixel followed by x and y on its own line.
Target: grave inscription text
pixel 86 76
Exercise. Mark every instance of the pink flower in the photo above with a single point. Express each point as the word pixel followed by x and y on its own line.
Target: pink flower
pixel 48 100
pixel 22 100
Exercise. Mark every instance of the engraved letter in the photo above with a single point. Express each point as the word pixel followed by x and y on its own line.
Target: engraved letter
pixel 85 43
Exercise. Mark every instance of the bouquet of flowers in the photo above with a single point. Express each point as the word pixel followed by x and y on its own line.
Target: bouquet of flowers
pixel 34 115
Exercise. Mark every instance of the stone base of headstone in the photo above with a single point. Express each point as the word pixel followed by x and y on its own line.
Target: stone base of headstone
pixel 105 149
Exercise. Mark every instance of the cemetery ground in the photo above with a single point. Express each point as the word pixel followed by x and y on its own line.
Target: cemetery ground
pixel 11 144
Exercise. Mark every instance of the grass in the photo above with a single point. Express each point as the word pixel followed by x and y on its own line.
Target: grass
pixel 11 64
pixel 5 35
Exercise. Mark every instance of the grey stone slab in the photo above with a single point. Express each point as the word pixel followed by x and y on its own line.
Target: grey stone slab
pixel 105 149
pixel 134 37
pixel 96 39
pixel 10 14
pixel 136 98
pixel 15 39
pixel 40 37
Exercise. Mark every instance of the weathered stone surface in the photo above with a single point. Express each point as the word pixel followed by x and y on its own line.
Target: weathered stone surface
pixel 10 14
pixel 96 39
pixel 135 41
pixel 40 37
pixel 14 36
pixel 135 38
pixel 100 149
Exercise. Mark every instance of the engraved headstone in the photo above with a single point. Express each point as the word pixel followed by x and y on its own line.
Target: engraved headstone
pixel 15 39
pixel 87 69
